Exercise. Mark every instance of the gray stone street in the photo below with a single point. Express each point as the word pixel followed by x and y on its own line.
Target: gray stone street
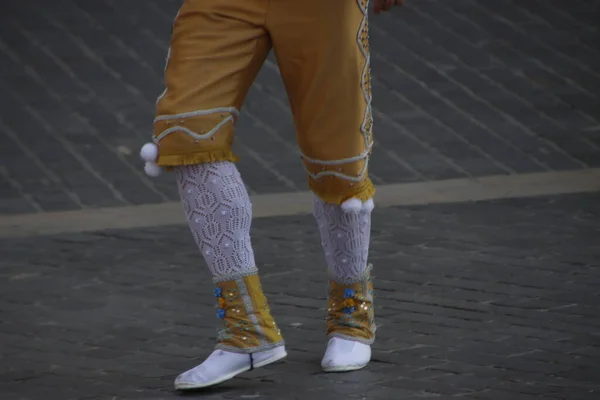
pixel 486 240
pixel 494 300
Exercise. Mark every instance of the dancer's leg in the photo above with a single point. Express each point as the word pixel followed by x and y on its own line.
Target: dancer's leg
pixel 323 53
pixel 216 51
pixel 219 214
pixel 345 235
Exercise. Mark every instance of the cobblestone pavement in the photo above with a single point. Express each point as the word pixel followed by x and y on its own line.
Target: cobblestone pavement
pixel 489 300
pixel 462 88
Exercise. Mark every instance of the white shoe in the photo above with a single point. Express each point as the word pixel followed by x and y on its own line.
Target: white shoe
pixel 345 355
pixel 223 365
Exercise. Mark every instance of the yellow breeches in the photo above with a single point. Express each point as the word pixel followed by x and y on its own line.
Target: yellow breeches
pixel 217 49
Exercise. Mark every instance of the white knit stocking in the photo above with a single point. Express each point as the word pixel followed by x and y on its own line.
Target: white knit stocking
pixel 219 214
pixel 345 236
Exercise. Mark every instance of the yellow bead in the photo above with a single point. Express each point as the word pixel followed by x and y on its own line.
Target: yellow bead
pixel 348 302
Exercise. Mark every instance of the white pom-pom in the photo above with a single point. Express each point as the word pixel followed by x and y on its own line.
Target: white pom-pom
pixel 352 205
pixel 149 152
pixel 152 169
pixel 368 206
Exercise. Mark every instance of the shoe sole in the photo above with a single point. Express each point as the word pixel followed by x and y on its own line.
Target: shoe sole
pixel 195 386
pixel 343 368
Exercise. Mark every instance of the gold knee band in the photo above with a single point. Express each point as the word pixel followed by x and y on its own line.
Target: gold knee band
pixel 332 189
pixel 249 326
pixel 350 314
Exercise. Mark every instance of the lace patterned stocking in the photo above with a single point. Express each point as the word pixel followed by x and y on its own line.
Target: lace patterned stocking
pixel 345 236
pixel 219 213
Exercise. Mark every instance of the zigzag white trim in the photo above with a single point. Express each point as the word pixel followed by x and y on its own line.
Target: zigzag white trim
pixel 189 114
pixel 362 155
pixel 198 136
pixel 358 178
pixel 364 84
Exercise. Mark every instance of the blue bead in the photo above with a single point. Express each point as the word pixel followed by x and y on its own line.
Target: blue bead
pixel 348 293
pixel 220 313
pixel 349 310
pixel 218 292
